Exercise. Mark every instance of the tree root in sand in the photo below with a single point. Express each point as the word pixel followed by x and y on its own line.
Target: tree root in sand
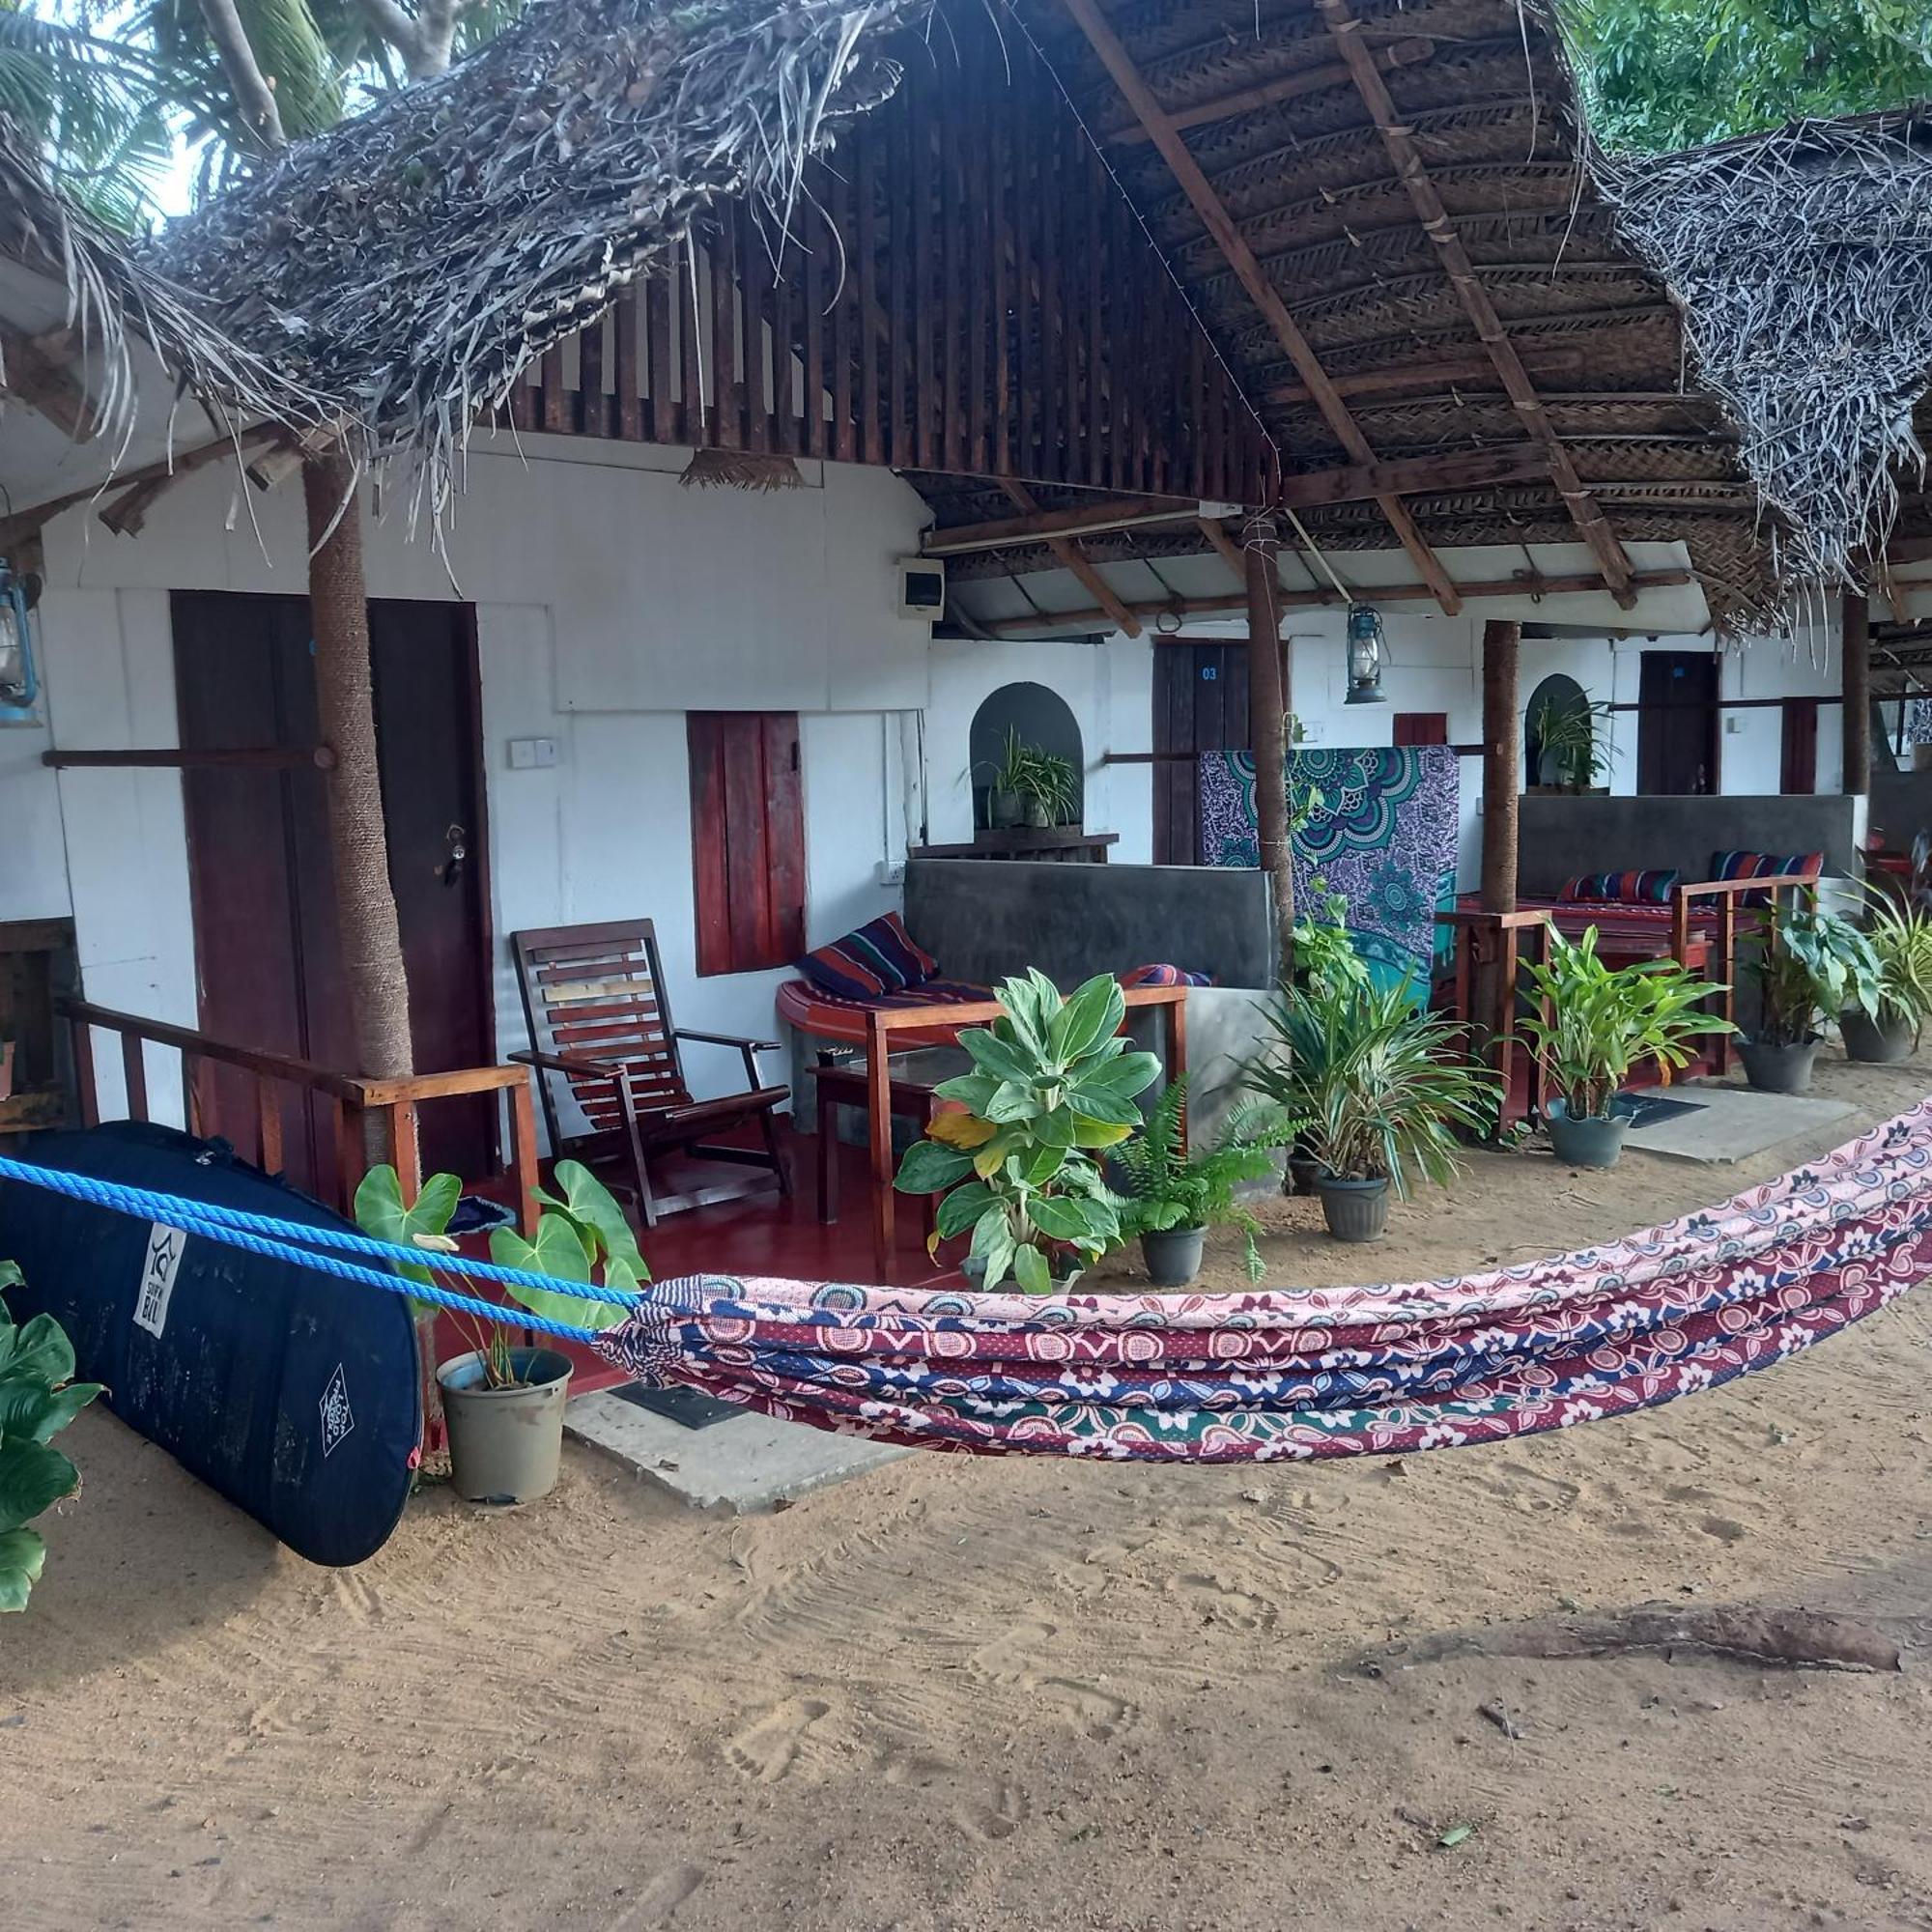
pixel 1739 1634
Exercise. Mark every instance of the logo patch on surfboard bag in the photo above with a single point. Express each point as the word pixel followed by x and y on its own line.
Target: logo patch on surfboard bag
pixel 293 1393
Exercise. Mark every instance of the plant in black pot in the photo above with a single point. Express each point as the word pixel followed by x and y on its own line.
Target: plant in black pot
pixel 1052 1085
pixel 1901 941
pixel 1596 1024
pixel 504 1405
pixel 1173 1195
pixel 1810 963
pixel 1384 1089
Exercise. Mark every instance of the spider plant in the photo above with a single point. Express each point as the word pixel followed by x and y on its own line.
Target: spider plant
pixel 1575 739
pixel 1602 1022
pixel 1901 941
pixel 1382 1086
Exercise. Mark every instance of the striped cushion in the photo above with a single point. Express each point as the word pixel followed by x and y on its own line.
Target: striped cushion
pixel 1164 976
pixel 1651 887
pixel 881 957
pixel 1765 865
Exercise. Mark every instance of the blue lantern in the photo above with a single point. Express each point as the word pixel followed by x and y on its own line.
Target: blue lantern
pixel 19 686
pixel 1365 655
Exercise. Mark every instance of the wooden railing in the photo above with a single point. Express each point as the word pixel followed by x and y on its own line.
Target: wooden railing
pixel 353 1102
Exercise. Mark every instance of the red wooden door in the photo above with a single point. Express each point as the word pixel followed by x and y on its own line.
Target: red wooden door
pixel 1797 763
pixel 266 951
pixel 1421 727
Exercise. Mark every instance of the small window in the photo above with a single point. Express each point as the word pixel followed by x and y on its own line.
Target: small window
pixel 747 839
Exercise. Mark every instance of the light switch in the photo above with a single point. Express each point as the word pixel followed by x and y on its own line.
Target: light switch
pixel 528 755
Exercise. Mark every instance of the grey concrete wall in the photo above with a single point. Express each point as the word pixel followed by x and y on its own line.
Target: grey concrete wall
pixel 1560 836
pixel 984 920
pixel 1901 806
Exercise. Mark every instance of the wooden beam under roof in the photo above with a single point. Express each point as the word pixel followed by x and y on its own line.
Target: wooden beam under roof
pixel 1413 174
pixel 1067 550
pixel 37 370
pixel 1529 584
pixel 1227 238
pixel 1104 514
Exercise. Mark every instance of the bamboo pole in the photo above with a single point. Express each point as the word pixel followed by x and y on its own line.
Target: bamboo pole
pixel 1855 681
pixel 1501 733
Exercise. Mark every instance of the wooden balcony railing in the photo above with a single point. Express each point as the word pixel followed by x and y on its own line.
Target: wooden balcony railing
pixel 349 1101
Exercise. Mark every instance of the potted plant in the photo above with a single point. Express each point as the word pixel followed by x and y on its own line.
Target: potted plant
pixel 1596 1026
pixel 1049 789
pixel 504 1405
pixel 1810 963
pixel 1174 1195
pixel 1901 940
pixel 1384 1088
pixel 1325 961
pixel 1051 1084
pixel 1004 804
pixel 1573 741
pixel 39 1397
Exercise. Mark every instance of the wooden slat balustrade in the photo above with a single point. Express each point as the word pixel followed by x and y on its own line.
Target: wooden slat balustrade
pixel 352 1099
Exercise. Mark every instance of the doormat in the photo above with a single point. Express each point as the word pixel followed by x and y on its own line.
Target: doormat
pixel 1646 1110
pixel 686 1408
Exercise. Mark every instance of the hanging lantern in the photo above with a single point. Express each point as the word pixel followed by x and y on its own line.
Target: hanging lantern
pixel 19 687
pixel 1365 655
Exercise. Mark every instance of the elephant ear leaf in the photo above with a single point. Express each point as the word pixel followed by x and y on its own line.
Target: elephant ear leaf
pixel 33 1477
pixel 588 1203
pixel 381 1214
pixel 23 1557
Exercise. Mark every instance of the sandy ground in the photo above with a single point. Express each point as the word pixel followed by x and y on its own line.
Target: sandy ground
pixel 1023 1693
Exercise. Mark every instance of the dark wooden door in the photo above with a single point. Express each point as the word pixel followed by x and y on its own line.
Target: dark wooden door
pixel 1797 751
pixel 267 950
pixel 1200 704
pixel 1677 723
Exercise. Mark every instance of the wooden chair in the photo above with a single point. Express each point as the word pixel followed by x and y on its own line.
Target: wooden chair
pixel 600 1018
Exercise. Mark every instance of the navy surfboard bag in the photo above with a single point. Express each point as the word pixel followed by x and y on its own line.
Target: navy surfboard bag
pixel 291 1393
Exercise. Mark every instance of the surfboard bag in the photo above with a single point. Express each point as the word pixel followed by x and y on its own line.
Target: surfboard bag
pixel 291 1393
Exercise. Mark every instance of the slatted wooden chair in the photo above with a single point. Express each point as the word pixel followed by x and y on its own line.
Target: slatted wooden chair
pixel 600 1022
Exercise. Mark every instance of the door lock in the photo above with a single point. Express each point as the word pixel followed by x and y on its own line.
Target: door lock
pixel 457 839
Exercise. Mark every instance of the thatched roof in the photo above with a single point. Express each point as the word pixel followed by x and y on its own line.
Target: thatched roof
pixel 106 305
pixel 1801 261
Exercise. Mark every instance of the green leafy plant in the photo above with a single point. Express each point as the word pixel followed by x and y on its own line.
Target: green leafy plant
pixel 1382 1086
pixel 1901 942
pixel 1052 1083
pixel 1575 736
pixel 1811 964
pixel 1602 1022
pixel 1168 1187
pixel 1325 959
pixel 581 1231
pixel 1051 785
pixel 39 1397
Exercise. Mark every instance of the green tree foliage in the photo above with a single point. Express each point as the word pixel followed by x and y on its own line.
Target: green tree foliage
pixel 1662 75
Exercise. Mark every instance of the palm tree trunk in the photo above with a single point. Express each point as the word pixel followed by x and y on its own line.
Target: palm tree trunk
pixel 365 905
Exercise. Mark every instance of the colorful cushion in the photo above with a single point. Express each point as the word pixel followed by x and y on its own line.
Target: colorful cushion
pixel 1765 865
pixel 1651 887
pixel 1164 976
pixel 880 957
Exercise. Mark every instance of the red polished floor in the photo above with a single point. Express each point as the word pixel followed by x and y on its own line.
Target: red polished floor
pixel 759 1234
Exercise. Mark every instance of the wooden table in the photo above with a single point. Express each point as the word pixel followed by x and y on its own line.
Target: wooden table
pixel 907 1098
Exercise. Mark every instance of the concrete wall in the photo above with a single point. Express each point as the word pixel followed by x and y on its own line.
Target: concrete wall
pixel 609 602
pixel 1562 837
pixel 1901 805
pixel 984 920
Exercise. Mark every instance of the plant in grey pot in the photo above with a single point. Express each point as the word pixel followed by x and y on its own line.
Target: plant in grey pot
pixel 1596 1024
pixel 1173 1195
pixel 1049 789
pixel 1901 941
pixel 1810 963
pixel 1005 807
pixel 1383 1087
pixel 1052 1085
pixel 504 1405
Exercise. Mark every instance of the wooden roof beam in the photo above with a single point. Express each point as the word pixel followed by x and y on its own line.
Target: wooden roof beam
pixel 1067 550
pixel 37 372
pixel 1081 519
pixel 1475 371
pixel 1406 159
pixel 1227 238
pixel 1529 584
pixel 1288 87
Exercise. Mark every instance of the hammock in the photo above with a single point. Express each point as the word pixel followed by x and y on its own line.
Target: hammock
pixel 1316 1371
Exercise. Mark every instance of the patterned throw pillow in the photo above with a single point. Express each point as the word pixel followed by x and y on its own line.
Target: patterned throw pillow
pixel 1651 887
pixel 1164 976
pixel 1765 865
pixel 881 957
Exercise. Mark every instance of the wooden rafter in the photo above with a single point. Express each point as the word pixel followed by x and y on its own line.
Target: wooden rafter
pixel 1406 159
pixel 1090 519
pixel 1070 557
pixel 39 373
pixel 1529 584
pixel 1240 257
pixel 1473 371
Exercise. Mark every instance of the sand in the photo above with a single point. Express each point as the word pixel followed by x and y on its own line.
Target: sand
pixel 1023 1693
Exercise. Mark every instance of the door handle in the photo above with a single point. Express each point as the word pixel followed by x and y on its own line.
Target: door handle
pixel 457 842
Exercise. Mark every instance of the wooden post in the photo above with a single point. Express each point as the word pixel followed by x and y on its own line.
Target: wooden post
pixel 1855 681
pixel 1268 714
pixel 1502 734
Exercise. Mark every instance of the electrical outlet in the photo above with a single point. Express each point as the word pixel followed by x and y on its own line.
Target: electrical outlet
pixel 891 872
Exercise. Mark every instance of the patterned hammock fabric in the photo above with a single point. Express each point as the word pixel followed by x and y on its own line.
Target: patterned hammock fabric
pixel 1383 836
pixel 1276 1374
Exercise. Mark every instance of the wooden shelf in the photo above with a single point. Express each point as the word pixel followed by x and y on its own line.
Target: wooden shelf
pixel 1065 844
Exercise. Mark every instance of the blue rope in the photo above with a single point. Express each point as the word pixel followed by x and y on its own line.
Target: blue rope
pixel 276 1239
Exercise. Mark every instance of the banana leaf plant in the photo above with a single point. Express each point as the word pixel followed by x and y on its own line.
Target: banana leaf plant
pixel 1053 1083
pixel 39 1397
pixel 1603 1021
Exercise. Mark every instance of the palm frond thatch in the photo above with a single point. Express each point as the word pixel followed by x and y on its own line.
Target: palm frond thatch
pixel 411 263
pixel 1801 262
